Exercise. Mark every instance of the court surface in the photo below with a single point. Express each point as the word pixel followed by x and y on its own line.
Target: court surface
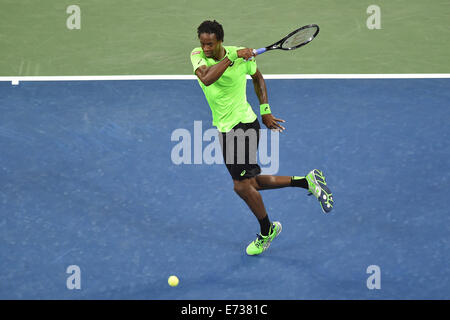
pixel 87 179
pixel 142 37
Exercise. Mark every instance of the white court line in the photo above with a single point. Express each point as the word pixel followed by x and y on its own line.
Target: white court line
pixel 16 80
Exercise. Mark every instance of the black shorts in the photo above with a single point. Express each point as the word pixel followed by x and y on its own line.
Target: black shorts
pixel 241 160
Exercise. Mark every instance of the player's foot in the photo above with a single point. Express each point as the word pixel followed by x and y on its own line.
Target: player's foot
pixel 318 187
pixel 262 243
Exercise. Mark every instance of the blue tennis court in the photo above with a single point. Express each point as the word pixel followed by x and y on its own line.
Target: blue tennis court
pixel 87 178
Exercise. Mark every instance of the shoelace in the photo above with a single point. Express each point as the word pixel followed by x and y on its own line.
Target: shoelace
pixel 259 240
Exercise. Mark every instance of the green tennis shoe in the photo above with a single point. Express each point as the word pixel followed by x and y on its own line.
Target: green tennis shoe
pixel 262 243
pixel 318 187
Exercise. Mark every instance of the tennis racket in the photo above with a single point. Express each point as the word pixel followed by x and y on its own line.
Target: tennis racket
pixel 293 40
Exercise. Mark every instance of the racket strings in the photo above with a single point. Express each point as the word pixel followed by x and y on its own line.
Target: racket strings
pixel 299 38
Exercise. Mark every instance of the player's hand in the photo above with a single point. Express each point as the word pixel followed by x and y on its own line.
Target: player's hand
pixel 272 123
pixel 246 53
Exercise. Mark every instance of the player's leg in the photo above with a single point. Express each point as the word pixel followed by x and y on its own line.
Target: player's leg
pixel 247 191
pixel 244 169
pixel 244 178
pixel 240 161
pixel 266 182
pixel 269 230
pixel 314 182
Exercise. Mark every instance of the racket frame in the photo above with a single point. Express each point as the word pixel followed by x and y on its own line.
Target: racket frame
pixel 277 45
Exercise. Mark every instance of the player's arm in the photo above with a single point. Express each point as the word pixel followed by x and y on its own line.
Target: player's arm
pixel 260 87
pixel 261 91
pixel 209 75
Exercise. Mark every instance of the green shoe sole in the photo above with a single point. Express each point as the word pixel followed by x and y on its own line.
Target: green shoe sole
pixel 318 187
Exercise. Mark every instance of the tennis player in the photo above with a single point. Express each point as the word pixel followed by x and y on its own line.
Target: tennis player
pixel 221 72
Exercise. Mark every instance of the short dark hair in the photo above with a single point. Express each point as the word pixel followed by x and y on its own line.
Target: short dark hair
pixel 209 26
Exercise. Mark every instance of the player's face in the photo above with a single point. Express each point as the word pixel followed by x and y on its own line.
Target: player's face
pixel 210 45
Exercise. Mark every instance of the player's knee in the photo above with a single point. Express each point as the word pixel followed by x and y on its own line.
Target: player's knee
pixel 246 186
pixel 238 187
pixel 259 183
pixel 241 187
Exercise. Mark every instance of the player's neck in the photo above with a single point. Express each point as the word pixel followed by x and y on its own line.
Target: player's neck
pixel 222 53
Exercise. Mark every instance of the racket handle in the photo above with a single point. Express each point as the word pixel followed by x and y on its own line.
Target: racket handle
pixel 259 51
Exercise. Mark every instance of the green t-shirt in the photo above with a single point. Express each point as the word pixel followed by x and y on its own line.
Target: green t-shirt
pixel 227 96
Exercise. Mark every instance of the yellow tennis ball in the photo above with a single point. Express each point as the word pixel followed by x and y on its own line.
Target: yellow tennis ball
pixel 173 281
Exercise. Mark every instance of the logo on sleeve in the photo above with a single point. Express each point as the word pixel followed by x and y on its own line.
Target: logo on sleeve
pixel 195 52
